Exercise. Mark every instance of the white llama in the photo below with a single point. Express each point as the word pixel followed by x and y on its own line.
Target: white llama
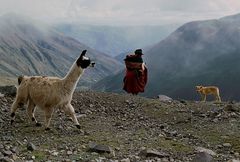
pixel 48 93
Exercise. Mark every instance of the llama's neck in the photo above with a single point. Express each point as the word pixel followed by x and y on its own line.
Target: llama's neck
pixel 71 79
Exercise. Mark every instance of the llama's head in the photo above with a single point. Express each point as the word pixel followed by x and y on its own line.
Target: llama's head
pixel 84 61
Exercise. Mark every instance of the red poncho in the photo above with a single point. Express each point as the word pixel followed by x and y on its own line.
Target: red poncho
pixel 135 78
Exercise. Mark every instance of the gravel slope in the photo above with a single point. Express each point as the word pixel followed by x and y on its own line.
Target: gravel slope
pixel 133 129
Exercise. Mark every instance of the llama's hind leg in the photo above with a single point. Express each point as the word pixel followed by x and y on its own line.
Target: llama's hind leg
pixel 48 116
pixel 16 104
pixel 30 110
pixel 70 111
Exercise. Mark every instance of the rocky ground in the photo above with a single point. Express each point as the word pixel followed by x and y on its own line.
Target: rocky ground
pixel 124 128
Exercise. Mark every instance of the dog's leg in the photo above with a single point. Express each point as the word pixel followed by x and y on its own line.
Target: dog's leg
pixel 204 99
pixel 217 95
pixel 70 111
pixel 201 95
pixel 30 111
pixel 218 98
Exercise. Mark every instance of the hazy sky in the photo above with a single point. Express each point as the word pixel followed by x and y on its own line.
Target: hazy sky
pixel 123 12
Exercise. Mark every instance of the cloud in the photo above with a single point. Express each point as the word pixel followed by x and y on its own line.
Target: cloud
pixel 122 12
pixel 44 9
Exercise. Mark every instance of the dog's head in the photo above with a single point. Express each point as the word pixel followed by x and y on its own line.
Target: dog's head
pixel 83 61
pixel 199 88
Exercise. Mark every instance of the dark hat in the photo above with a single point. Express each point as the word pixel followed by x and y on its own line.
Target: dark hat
pixel 138 52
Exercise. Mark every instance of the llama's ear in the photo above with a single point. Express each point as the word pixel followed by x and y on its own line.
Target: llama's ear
pixel 83 53
pixel 81 57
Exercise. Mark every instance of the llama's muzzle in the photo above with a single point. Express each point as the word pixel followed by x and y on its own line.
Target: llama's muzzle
pixel 92 64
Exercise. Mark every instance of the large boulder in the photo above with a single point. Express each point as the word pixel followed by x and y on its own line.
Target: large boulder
pixel 94 147
pixel 164 98
pixel 203 157
pixel 210 152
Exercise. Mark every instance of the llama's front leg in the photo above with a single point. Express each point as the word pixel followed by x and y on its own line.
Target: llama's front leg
pixel 30 111
pixel 70 111
pixel 48 116
pixel 16 104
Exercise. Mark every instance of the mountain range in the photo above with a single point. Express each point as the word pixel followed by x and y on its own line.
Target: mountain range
pixel 28 47
pixel 114 40
pixel 197 53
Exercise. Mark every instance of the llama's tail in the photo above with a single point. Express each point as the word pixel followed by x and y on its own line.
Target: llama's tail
pixel 20 78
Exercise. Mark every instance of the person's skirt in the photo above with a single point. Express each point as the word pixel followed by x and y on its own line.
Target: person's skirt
pixel 135 81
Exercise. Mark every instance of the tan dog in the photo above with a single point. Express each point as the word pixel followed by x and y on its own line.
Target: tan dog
pixel 210 90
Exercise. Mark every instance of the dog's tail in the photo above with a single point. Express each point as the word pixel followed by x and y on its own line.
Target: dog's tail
pixel 20 78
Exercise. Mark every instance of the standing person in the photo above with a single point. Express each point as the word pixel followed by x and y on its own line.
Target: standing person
pixel 135 78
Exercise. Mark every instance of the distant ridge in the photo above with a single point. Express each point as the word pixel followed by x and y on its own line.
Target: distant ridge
pixel 31 48
pixel 114 40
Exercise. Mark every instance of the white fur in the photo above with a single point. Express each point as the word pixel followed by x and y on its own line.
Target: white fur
pixel 48 93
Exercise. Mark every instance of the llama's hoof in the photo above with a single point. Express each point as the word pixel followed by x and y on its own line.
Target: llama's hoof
pixel 12 114
pixel 12 122
pixel 39 125
pixel 47 129
pixel 78 126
